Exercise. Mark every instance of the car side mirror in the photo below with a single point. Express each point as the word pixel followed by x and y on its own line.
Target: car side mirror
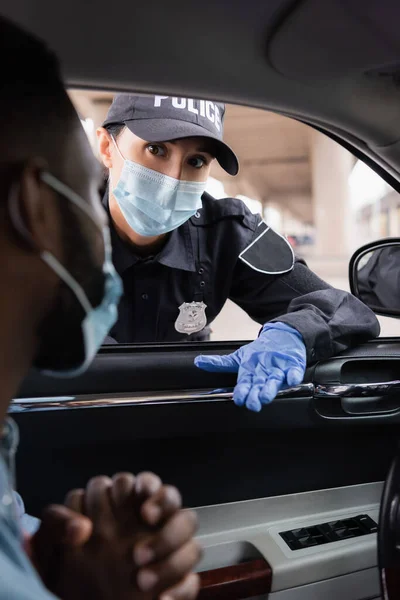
pixel 375 276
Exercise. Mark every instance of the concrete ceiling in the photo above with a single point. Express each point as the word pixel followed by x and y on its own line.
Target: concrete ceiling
pixel 273 151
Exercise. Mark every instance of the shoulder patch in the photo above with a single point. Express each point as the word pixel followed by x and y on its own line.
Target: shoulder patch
pixel 269 252
pixel 213 211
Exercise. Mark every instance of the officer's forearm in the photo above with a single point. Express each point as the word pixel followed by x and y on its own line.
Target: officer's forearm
pixel 330 321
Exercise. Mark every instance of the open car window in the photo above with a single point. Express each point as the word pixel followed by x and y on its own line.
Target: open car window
pixel 303 185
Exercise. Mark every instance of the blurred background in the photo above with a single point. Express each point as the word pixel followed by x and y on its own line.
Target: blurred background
pixel 306 187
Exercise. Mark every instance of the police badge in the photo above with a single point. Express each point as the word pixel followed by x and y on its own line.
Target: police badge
pixel 192 317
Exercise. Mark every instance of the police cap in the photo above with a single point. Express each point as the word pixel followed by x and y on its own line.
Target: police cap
pixel 167 118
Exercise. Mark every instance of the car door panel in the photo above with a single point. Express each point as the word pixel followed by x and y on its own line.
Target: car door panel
pixel 214 451
pixel 246 531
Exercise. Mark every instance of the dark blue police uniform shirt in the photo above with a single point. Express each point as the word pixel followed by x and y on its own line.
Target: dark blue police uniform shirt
pixel 200 262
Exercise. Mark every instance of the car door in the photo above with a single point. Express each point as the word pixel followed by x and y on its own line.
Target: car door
pixel 317 454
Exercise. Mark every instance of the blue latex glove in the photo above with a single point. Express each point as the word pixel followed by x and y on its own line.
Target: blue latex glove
pixel 275 360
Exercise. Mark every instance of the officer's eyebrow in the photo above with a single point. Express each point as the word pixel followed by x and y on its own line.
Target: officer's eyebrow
pixel 208 149
pixel 205 147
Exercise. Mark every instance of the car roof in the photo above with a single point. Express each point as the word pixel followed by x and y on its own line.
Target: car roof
pixel 334 64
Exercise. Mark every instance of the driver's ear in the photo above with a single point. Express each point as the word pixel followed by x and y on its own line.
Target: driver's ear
pixel 105 145
pixel 34 209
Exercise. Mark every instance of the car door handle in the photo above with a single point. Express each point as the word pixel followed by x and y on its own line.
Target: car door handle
pixel 357 390
pixel 361 399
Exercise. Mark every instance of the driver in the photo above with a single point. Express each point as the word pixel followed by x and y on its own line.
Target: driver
pixel 181 254
pixel 56 308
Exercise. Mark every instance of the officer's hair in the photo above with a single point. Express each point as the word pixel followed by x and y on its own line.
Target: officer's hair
pixel 115 129
pixel 35 111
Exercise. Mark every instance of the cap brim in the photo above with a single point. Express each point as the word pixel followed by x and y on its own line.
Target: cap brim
pixel 165 130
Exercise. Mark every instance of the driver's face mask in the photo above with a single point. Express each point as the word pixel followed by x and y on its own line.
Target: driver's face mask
pixel 153 203
pixel 97 321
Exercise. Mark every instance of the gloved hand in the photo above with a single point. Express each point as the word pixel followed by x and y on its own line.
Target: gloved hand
pixel 274 361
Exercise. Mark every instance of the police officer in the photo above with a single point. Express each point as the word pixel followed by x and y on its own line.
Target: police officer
pixel 182 254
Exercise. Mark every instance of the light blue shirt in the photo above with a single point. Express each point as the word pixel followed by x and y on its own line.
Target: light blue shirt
pixel 18 578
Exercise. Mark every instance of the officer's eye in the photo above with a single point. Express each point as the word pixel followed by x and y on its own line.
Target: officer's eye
pixel 197 162
pixel 156 149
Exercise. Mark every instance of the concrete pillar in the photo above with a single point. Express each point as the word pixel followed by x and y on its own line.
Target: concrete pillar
pixel 243 185
pixel 331 167
pixel 273 215
pixel 99 109
pixel 97 113
pixel 287 221
pixel 394 221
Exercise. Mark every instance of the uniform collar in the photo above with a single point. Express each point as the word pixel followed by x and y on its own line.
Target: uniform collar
pixel 177 252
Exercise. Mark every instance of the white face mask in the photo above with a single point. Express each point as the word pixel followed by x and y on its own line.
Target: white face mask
pixel 153 203
pixel 98 321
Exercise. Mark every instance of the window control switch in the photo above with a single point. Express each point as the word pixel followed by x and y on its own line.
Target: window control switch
pixel 325 533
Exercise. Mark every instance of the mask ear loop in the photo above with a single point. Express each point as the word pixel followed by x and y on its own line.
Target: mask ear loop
pixel 16 219
pixel 116 146
pixel 110 181
pixel 56 185
pixel 47 257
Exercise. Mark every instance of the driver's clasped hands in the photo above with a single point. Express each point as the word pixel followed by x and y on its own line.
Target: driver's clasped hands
pixel 123 538
pixel 275 360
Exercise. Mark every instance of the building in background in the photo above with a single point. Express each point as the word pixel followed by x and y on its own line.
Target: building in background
pixel 375 206
pixel 305 185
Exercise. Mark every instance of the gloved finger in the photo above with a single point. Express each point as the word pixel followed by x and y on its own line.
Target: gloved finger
pixel 294 376
pixel 74 500
pixel 242 389
pixel 253 402
pixel 273 385
pixel 229 363
pixel 176 533
pixel 161 506
pixel 187 589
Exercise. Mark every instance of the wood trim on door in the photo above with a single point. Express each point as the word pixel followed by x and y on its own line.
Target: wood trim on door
pixel 236 582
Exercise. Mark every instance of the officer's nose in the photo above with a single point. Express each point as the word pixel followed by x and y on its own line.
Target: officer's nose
pixel 176 166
